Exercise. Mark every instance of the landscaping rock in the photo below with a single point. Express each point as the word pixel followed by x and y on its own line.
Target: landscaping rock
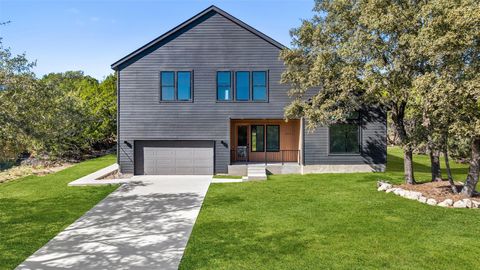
pixel 446 203
pixel 413 195
pixel 399 192
pixel 468 203
pixel 431 201
pixel 384 187
pixel 390 190
pixel 382 182
pixel 475 204
pixel 422 199
pixel 460 204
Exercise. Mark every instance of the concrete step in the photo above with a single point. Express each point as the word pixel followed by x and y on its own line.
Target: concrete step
pixel 256 172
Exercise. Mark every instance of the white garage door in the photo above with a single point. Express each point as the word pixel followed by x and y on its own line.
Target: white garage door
pixel 177 160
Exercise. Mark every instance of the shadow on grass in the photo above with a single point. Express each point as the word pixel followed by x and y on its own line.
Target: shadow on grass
pixel 395 165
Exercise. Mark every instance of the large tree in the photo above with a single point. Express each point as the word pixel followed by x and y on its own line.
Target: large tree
pixel 356 53
pixel 450 89
pixel 16 78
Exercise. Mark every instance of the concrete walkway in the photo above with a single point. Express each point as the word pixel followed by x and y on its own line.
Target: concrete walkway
pixel 145 224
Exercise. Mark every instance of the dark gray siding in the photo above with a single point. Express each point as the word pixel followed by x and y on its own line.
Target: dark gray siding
pixel 210 44
pixel 373 143
pixel 214 43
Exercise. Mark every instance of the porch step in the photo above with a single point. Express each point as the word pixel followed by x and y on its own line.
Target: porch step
pixel 256 172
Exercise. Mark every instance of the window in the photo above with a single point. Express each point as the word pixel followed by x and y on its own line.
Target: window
pixel 273 138
pixel 242 85
pixel 257 137
pixel 168 85
pixel 180 91
pixel 184 82
pixel 344 139
pixel 224 85
pixel 259 85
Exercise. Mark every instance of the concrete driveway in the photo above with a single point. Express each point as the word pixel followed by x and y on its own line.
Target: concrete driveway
pixel 143 225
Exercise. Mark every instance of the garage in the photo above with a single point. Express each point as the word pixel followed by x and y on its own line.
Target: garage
pixel 174 157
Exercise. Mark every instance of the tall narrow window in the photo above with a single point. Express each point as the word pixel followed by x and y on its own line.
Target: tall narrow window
pixel 224 85
pixel 184 85
pixel 242 85
pixel 344 139
pixel 259 85
pixel 167 85
pixel 273 138
pixel 258 138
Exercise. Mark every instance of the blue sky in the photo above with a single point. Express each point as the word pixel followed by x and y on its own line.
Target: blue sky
pixel 90 35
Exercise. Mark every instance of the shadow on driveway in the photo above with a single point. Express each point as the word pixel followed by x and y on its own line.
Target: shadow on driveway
pixel 142 225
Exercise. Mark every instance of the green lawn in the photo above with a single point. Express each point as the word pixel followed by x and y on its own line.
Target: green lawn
pixel 34 209
pixel 331 221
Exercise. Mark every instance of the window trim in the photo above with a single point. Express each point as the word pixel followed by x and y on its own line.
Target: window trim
pixel 251 138
pixel 266 139
pixel 231 86
pixel 175 78
pixel 359 136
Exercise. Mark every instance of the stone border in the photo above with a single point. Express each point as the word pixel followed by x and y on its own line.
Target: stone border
pixel 386 187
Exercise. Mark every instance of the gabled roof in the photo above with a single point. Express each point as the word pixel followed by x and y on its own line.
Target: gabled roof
pixel 190 21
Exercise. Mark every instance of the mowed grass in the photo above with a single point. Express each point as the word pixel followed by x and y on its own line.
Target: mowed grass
pixel 331 221
pixel 34 209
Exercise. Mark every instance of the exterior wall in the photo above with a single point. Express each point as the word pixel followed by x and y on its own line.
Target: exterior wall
pixel 373 152
pixel 210 44
pixel 213 43
pixel 289 140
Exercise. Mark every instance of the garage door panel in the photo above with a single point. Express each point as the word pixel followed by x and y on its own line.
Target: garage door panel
pixel 200 171
pixel 178 160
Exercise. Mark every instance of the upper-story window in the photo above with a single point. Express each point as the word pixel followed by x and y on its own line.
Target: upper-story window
pixel 224 85
pixel 175 86
pixel 259 85
pixel 242 85
pixel 246 86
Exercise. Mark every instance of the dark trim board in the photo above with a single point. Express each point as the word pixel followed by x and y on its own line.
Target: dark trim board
pixel 139 146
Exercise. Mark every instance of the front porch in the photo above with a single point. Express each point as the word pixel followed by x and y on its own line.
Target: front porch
pixel 268 142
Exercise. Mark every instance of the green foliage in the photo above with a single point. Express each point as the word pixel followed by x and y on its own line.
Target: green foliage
pixel 418 59
pixel 61 115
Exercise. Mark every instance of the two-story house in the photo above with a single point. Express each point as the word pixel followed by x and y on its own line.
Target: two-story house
pixel 206 98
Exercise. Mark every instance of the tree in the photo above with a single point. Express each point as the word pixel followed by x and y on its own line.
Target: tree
pixel 16 79
pixel 354 53
pixel 450 40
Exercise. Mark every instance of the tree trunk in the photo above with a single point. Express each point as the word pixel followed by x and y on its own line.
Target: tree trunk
pixel 474 170
pixel 449 171
pixel 435 165
pixel 398 115
pixel 408 166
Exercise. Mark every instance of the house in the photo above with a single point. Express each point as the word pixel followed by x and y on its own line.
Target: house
pixel 206 98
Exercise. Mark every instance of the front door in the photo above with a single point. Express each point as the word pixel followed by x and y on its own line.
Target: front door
pixel 242 143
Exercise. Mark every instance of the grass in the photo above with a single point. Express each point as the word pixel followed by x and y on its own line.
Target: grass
pixel 34 209
pixel 331 221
